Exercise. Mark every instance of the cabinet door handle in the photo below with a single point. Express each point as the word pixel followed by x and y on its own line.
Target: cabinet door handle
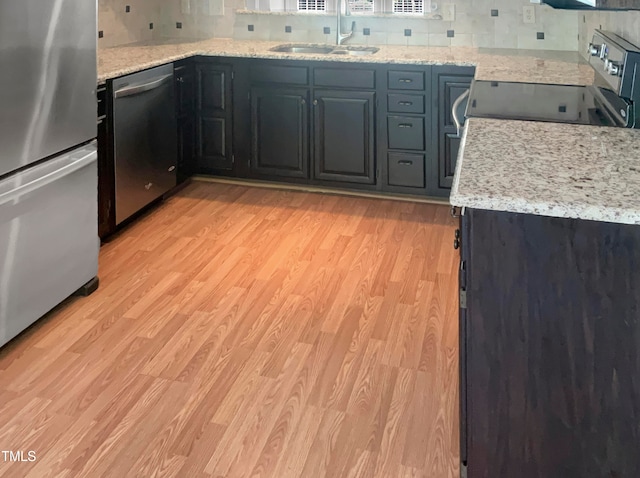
pixel 315 102
pixel 180 79
pixel 405 125
pixel 405 80
pixel 405 103
pixel 405 162
pixel 303 101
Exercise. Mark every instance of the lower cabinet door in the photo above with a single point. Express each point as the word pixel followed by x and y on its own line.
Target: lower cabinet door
pixel 449 147
pixel 214 143
pixel 280 132
pixel 344 136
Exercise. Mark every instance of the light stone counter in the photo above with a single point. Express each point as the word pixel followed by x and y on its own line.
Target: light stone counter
pixel 549 169
pixel 491 64
pixel 560 170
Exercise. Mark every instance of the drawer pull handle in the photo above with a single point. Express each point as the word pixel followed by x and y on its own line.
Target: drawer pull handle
pixel 405 125
pixel 405 103
pixel 405 162
pixel 405 80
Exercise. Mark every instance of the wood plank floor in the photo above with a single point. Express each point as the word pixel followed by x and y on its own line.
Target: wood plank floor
pixel 249 332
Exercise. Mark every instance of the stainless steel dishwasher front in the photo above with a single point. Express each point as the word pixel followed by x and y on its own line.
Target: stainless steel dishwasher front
pixel 145 139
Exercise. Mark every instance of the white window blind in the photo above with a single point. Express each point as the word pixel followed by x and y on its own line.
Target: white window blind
pixel 408 6
pixel 360 6
pixel 311 5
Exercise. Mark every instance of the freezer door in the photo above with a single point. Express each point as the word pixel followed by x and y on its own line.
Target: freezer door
pixel 48 237
pixel 47 78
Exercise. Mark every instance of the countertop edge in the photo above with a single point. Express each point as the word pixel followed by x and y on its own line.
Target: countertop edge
pixel 517 206
pixel 279 56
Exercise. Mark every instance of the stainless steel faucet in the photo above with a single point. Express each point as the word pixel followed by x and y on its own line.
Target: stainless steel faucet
pixel 341 37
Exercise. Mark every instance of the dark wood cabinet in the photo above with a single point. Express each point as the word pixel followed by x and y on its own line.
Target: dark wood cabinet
pixel 106 179
pixel 280 131
pixel 307 123
pixel 214 118
pixel 344 136
pixel 449 83
pixel 549 334
pixel 185 79
pixel 406 137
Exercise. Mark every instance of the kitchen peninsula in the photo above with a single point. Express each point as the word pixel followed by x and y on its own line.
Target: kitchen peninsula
pixel 550 299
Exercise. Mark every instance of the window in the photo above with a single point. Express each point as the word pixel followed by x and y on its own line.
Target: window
pixel 408 6
pixel 361 6
pixel 311 5
pixel 367 7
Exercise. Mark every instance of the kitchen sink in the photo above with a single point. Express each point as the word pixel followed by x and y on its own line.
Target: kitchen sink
pixel 326 49
pixel 356 51
pixel 317 49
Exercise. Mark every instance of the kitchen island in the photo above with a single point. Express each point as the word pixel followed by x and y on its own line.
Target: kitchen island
pixel 549 300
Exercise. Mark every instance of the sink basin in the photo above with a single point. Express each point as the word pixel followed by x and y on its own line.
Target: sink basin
pixel 326 49
pixel 356 51
pixel 303 49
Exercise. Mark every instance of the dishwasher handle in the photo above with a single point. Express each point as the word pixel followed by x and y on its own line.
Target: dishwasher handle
pixel 454 111
pixel 137 89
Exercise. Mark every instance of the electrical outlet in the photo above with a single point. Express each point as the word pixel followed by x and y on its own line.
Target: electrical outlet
pixel 528 14
pixel 185 7
pixel 214 7
pixel 449 12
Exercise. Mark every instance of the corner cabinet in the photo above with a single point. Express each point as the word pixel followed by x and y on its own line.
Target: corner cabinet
pixel 185 79
pixel 214 117
pixel 549 356
pixel 448 84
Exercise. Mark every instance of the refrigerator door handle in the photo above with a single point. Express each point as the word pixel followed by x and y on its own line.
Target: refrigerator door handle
pixel 137 89
pixel 48 178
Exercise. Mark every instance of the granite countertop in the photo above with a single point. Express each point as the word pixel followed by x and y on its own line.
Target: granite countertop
pixel 549 169
pixel 491 64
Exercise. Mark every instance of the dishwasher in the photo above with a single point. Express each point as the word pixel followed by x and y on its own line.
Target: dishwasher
pixel 145 139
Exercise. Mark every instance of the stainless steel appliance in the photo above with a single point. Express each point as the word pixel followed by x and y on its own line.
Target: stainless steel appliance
pixel 612 100
pixel 145 139
pixel 595 4
pixel 48 173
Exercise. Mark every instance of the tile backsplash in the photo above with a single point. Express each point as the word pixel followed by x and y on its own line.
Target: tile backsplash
pixel 127 21
pixel 479 23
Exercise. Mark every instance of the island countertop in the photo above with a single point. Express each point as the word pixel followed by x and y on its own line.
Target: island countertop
pixel 549 169
pixel 491 64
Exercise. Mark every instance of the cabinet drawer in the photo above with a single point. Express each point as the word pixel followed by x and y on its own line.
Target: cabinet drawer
pixel 405 132
pixel 401 103
pixel 345 78
pixel 291 75
pixel 406 80
pixel 406 169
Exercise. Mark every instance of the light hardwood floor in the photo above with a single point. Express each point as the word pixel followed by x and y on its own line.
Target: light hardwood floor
pixel 249 332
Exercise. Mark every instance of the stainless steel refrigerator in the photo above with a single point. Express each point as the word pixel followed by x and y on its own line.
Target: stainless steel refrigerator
pixel 48 161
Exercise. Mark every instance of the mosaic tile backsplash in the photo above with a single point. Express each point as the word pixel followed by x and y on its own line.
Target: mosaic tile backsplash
pixel 479 23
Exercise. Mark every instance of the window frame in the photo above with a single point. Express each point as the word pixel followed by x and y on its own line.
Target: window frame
pixel 380 7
